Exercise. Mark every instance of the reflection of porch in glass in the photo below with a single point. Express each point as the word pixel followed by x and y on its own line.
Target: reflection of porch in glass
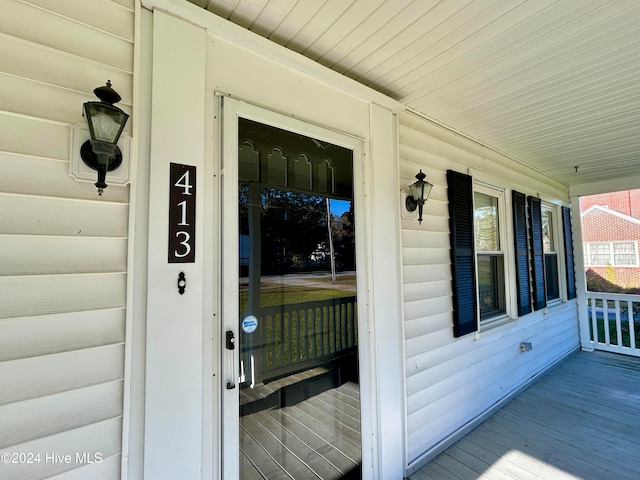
pixel 303 435
pixel 294 337
pixel 303 321
pixel 317 177
pixel 302 173
pixel 298 325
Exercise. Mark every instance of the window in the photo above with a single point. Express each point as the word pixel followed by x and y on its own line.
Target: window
pixel 539 233
pixel 550 253
pixel 489 254
pixel 616 254
pixel 624 254
pixel 600 254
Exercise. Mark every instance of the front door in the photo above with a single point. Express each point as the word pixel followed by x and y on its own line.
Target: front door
pixel 291 396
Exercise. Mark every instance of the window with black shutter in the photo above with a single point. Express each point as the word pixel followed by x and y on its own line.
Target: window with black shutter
pixel 481 282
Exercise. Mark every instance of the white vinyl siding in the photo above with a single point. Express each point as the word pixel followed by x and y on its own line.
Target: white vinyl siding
pixel 63 249
pixel 450 381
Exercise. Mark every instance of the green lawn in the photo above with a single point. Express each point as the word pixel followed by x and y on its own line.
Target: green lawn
pixel 278 294
pixel 613 332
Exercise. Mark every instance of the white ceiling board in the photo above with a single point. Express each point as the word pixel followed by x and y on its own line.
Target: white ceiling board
pixel 314 29
pixel 551 83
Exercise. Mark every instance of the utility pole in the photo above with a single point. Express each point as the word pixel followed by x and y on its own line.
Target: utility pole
pixel 331 253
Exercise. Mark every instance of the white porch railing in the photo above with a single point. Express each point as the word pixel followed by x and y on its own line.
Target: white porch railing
pixel 614 322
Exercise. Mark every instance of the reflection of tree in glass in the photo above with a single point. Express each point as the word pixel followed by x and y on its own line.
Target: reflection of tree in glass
pixel 343 232
pixel 486 222
pixel 486 228
pixel 547 230
pixel 294 229
pixel 293 224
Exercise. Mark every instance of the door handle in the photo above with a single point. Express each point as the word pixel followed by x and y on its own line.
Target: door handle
pixel 231 345
pixel 231 340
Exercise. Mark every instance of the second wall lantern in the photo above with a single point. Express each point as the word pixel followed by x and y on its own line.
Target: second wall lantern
pixel 420 191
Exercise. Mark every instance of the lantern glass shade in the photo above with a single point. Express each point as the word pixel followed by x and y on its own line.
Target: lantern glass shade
pixel 105 122
pixel 420 191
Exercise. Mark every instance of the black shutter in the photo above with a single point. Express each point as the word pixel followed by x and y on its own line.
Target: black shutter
pixel 522 253
pixel 465 308
pixel 568 253
pixel 537 253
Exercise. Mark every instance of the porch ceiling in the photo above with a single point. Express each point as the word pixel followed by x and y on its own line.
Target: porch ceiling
pixel 554 84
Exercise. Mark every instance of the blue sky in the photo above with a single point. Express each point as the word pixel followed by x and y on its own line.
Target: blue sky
pixel 338 207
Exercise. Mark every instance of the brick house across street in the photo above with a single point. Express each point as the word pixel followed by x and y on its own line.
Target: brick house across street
pixel 611 233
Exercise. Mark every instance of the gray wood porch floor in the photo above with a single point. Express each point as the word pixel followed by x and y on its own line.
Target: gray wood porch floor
pixel 580 421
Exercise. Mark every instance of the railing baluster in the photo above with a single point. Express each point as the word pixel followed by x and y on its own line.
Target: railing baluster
pixel 605 313
pixel 311 333
pixel 618 322
pixel 343 327
pixel 268 344
pixel 349 325
pixel 318 327
pixel 594 321
pixel 632 325
pixel 338 312
pixel 286 335
pixel 293 336
pixel 325 330
pixel 355 316
pixel 278 343
pixel 303 334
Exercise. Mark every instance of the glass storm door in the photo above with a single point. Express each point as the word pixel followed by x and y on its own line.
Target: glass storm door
pixel 291 388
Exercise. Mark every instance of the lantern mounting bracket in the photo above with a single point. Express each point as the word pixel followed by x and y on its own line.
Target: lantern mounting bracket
pixel 410 203
pixel 90 159
pixel 83 171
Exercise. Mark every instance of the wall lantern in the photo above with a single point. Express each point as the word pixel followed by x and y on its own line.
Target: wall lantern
pixel 420 191
pixel 105 123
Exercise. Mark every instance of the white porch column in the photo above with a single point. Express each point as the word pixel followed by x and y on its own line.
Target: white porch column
pixel 174 348
pixel 386 296
pixel 581 280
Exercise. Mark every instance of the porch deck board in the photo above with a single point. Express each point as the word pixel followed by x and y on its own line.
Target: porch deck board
pixel 580 421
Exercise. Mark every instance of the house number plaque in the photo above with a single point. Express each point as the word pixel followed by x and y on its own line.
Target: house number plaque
pixel 182 213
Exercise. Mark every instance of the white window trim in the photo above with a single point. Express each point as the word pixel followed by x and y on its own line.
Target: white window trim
pixel 558 249
pixel 505 228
